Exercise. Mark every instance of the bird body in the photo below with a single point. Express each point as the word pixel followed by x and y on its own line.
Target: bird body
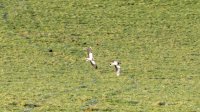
pixel 116 64
pixel 91 58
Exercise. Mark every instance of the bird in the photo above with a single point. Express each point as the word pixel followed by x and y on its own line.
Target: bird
pixel 91 58
pixel 117 66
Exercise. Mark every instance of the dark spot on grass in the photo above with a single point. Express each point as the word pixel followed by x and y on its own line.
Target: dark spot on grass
pixel 50 50
pixel 74 34
pixel 30 105
pixel 110 33
pixel 63 110
pixel 133 102
pixel 95 109
pixel 130 4
pixel 84 43
pixel 158 78
pixel 1 5
pixel 73 40
pixel 102 110
pixel 161 103
pixel 83 86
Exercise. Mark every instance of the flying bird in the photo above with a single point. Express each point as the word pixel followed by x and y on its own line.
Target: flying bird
pixel 117 66
pixel 91 58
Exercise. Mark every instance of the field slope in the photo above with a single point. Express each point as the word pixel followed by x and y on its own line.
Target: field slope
pixel 43 67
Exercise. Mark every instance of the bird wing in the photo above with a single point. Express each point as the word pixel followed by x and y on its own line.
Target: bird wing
pixel 93 64
pixel 116 68
pixel 90 55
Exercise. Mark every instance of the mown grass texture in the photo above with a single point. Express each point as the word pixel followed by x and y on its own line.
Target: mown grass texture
pixel 157 42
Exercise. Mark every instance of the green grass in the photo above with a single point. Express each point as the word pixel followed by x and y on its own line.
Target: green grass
pixel 157 41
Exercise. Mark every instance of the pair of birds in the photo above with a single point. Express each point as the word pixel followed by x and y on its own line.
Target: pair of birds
pixel 90 58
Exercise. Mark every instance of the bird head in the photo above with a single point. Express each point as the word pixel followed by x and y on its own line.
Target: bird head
pixel 114 63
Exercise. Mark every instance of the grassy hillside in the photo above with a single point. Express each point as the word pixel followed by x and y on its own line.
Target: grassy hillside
pixel 157 42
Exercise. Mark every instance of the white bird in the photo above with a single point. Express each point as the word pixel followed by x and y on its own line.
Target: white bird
pixel 117 66
pixel 91 58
